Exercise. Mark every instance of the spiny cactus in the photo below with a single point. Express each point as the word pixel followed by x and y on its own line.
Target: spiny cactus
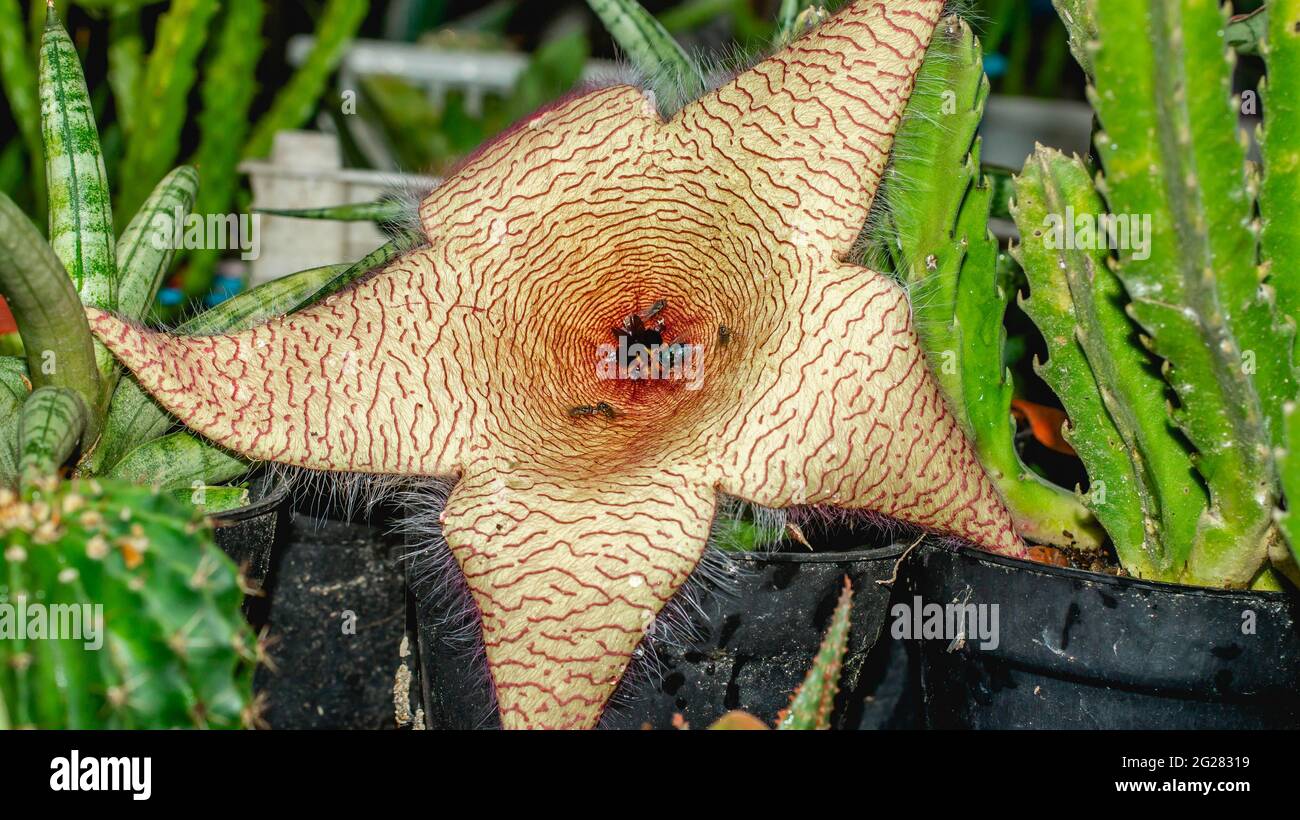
pixel 1171 242
pixel 812 702
pixel 811 705
pixel 937 241
pixel 119 613
pixel 1170 149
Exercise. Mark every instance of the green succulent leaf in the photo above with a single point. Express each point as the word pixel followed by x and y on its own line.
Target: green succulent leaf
pixel 939 209
pixel 81 217
pixel 160 109
pixel 14 390
pixel 145 250
pixel 21 93
pixel 1247 32
pixel 377 258
pixel 126 65
pixel 1279 203
pixel 177 461
pixel 212 500
pixel 1171 153
pixel 381 210
pixel 1144 490
pixel 228 87
pixel 52 420
pixel 56 336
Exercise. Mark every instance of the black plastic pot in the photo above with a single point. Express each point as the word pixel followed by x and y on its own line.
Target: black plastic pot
pixel 248 534
pixel 1081 650
pixel 754 649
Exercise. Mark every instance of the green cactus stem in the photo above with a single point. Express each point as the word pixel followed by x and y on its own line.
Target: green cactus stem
pixel 1077 16
pixel 228 87
pixel 381 210
pixel 1289 468
pixel 1171 151
pixel 20 90
pixel 943 252
pixel 811 705
pixel 1280 144
pixel 130 615
pixel 160 108
pixel 295 101
pixel 649 46
pixel 1144 490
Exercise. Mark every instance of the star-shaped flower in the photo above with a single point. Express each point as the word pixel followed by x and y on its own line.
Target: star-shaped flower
pixel 583 502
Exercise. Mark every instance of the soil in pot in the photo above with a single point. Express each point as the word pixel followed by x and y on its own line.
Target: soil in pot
pixel 336 618
pixel 1073 649
pixel 753 643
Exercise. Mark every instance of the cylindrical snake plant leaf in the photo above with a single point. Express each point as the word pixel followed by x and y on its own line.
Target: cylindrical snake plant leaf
pixel 49 428
pixel 146 248
pixel 1144 490
pixel 1172 155
pixel 651 49
pixel 1279 195
pixel 381 210
pixel 134 418
pixel 56 336
pixel 228 86
pixel 378 258
pixel 294 102
pixel 176 461
pixel 160 109
pixel 81 216
pixel 947 259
